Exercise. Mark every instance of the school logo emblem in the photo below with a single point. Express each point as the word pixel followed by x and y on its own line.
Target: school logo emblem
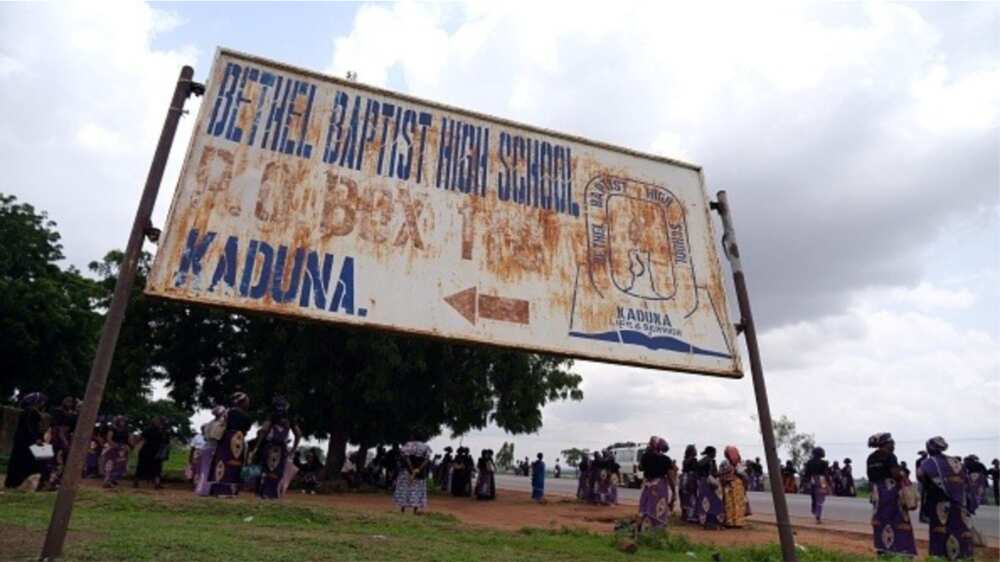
pixel 640 284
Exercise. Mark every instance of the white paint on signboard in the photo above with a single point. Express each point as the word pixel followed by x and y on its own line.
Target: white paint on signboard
pixel 308 196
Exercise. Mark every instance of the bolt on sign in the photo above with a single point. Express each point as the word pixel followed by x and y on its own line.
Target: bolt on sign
pixel 308 196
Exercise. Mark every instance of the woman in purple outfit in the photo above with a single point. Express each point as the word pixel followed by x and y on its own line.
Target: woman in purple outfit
pixel 893 532
pixel 117 445
pixel 227 462
pixel 817 472
pixel 950 502
pixel 273 449
pixel 657 498
pixel 709 499
pixel 689 485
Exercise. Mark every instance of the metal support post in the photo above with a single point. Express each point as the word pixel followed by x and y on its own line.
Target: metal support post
pixel 58 524
pixel 757 374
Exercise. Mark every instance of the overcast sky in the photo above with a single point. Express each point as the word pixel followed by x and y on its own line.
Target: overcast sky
pixel 858 143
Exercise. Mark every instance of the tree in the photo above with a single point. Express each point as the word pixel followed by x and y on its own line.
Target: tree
pixel 49 327
pixel 573 456
pixel 798 445
pixel 624 445
pixel 505 456
pixel 344 384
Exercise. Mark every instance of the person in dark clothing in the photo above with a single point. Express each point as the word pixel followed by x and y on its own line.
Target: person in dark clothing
pixel 656 500
pixel 23 463
pixel 461 473
pixel 309 470
pixel 994 473
pixel 391 464
pixel 847 473
pixel 817 472
pixel 977 477
pixel 486 488
pixel 226 475
pixel 444 470
pixel 117 446
pixel 709 506
pixel 892 530
pixel 583 479
pixel 689 484
pixel 154 450
pixel 788 473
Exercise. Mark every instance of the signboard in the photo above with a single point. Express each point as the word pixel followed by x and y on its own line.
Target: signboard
pixel 313 197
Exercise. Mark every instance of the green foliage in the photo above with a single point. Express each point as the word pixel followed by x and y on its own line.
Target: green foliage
pixel 574 455
pixel 798 445
pixel 505 456
pixel 49 327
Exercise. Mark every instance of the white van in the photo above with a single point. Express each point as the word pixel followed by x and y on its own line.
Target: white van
pixel 628 459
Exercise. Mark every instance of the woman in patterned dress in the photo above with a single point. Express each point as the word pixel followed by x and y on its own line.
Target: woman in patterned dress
pixel 273 449
pixel 656 500
pixel 688 489
pixel 117 444
pixel 709 506
pixel 411 482
pixel 227 462
pixel 950 502
pixel 892 530
pixel 733 476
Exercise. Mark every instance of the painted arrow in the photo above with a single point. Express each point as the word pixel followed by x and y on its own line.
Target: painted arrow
pixel 467 303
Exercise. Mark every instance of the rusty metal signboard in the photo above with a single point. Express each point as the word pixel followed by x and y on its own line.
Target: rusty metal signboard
pixel 312 197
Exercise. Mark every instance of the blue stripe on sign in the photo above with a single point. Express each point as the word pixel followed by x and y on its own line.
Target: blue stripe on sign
pixel 655 342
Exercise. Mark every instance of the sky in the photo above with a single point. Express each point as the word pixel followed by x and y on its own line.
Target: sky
pixel 858 143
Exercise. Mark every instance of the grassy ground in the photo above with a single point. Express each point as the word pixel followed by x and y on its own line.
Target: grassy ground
pixel 130 526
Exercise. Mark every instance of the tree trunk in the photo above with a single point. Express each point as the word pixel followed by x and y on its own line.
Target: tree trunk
pixel 336 452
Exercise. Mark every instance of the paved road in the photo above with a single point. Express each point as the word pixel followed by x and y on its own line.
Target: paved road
pixel 852 514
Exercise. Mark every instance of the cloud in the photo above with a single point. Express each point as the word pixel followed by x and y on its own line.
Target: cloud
pixel 90 95
pixel 848 136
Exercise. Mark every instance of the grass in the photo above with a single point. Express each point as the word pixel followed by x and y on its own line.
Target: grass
pixel 127 526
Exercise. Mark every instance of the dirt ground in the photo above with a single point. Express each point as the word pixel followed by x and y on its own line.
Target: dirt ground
pixel 513 510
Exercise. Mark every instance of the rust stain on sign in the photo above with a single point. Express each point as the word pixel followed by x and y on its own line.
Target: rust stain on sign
pixel 505 309
pixel 308 196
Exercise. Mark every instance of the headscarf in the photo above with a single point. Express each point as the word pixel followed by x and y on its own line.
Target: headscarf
pixel 709 451
pixel 658 444
pixel 218 412
pixel 936 445
pixel 690 452
pixel 732 455
pixel 34 400
pixel 879 440
pixel 818 453
pixel 119 420
pixel 238 397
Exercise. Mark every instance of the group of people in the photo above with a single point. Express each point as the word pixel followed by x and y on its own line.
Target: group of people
pixel 841 479
pixel 598 479
pixel 41 449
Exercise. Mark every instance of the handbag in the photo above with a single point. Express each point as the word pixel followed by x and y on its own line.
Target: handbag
pixel 42 452
pixel 908 497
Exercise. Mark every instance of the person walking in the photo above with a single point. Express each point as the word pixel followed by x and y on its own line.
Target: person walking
pixel 227 462
pixel 817 472
pixel 155 449
pixel 994 473
pixel 892 530
pixel 272 448
pixel 847 473
pixel 538 479
pixel 951 502
pixel 117 446
pixel 709 507
pixel 583 479
pixel 486 488
pixel 28 434
pixel 656 499
pixel 688 489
